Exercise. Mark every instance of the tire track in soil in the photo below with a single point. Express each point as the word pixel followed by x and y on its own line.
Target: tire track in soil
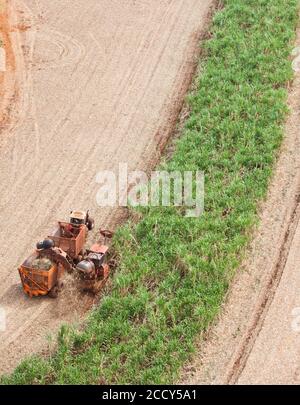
pixel 261 312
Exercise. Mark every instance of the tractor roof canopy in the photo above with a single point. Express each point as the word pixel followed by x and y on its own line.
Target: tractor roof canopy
pixel 78 215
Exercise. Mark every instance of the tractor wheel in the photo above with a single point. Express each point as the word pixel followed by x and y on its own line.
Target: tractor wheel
pixel 90 224
pixel 53 293
pixel 60 285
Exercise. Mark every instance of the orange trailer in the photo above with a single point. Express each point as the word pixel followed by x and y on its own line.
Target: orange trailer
pixel 42 272
pixel 71 239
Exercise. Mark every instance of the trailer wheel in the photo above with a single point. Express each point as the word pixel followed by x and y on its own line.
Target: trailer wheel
pixel 53 293
pixel 90 224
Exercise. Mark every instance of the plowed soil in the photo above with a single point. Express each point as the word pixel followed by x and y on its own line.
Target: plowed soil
pixel 89 84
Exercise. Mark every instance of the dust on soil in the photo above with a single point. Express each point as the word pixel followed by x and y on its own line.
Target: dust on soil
pixel 8 88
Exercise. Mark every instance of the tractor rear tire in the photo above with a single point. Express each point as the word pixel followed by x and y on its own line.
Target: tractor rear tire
pixel 90 224
pixel 53 293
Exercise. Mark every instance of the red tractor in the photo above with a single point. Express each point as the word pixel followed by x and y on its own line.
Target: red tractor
pixel 64 250
pixel 93 271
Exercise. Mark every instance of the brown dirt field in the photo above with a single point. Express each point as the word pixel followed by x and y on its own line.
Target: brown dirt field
pixel 256 339
pixel 90 83
pixel 7 79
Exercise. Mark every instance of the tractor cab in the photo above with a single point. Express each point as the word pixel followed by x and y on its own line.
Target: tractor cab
pixel 78 218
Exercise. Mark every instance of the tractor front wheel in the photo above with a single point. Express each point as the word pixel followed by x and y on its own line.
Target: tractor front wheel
pixel 90 224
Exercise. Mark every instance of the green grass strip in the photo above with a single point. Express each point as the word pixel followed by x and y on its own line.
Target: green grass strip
pixel 174 271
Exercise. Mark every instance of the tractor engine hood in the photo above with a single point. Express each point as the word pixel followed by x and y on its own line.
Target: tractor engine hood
pixel 86 269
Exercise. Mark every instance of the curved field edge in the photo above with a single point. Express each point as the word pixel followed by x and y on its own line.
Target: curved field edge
pixel 174 271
